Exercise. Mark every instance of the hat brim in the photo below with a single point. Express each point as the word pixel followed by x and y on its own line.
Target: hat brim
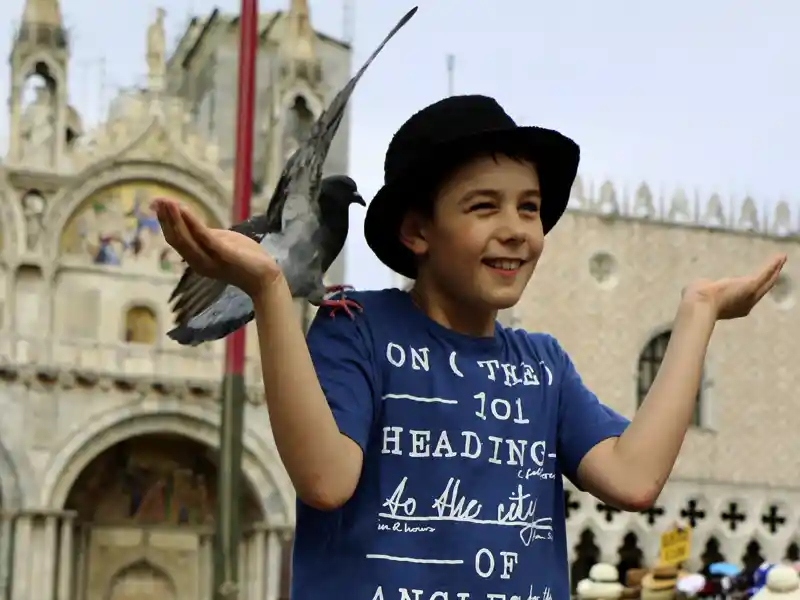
pixel 556 158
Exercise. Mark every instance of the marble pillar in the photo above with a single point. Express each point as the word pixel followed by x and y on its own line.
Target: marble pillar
pixel 273 571
pixel 206 569
pixel 257 562
pixel 81 547
pixel 66 556
pixel 23 529
pixel 45 577
pixel 6 544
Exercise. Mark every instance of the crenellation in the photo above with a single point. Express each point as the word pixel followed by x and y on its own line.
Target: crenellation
pixel 744 215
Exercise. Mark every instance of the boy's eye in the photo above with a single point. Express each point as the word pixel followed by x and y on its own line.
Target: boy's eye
pixel 529 206
pixel 482 206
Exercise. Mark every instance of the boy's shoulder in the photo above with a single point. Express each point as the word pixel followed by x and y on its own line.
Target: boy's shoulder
pixel 539 343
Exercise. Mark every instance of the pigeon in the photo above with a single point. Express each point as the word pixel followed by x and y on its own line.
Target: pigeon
pixel 303 229
pixel 194 294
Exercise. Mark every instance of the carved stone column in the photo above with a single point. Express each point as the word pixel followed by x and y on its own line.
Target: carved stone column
pixel 273 571
pixel 257 564
pixel 206 567
pixel 66 556
pixel 6 543
pixel 45 576
pixel 81 547
pixel 22 557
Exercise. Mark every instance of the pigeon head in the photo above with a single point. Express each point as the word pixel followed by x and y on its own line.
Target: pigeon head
pixel 342 190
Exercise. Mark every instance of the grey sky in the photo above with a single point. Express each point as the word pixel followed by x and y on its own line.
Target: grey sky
pixel 699 94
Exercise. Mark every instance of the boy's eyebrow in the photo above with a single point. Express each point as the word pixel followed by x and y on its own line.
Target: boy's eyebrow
pixel 496 195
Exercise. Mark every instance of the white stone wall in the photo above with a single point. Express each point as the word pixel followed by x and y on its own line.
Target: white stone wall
pixel 603 288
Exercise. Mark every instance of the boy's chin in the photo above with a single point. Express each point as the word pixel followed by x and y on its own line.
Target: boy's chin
pixel 502 300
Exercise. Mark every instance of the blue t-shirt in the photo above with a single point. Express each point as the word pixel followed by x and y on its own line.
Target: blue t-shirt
pixel 465 442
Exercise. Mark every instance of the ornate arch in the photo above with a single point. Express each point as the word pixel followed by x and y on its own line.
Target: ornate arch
pixel 260 463
pixel 12 221
pixel 27 67
pixel 211 194
pixel 315 104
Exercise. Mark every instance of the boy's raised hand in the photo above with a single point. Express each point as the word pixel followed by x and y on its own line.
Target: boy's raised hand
pixel 735 297
pixel 215 253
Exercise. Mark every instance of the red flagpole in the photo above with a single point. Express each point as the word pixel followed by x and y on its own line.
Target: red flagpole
pixel 228 530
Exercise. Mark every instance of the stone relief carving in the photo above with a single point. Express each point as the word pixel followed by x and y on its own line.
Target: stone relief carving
pixel 156 49
pixel 33 207
pixel 38 127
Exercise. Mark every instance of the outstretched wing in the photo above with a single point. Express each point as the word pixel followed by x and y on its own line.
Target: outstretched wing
pixel 301 177
pixel 302 174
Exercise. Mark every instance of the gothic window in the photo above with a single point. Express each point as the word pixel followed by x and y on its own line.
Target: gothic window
pixel 649 362
pixel 140 325
pixel 299 121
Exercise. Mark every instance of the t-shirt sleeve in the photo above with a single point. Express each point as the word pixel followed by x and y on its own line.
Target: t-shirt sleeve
pixel 583 421
pixel 342 354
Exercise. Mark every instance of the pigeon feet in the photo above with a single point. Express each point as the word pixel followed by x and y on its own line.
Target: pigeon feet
pixel 341 302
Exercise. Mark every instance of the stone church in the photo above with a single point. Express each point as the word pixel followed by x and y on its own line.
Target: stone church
pixel 107 446
pixel 607 288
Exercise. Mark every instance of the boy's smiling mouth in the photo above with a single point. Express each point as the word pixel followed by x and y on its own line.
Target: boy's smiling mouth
pixel 504 266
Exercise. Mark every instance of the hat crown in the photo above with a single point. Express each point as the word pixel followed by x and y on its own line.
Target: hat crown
pixel 448 119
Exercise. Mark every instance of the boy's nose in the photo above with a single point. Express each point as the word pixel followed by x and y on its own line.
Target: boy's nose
pixel 510 234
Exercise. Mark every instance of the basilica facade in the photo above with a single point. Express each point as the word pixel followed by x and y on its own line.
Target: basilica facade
pixel 109 435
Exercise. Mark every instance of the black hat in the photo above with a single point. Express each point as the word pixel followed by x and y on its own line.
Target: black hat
pixel 425 148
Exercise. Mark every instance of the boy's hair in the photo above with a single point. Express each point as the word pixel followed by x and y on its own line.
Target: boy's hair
pixel 430 184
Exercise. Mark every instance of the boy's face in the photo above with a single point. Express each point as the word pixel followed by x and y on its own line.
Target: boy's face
pixel 485 237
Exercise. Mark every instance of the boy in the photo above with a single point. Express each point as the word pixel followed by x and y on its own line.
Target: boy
pixel 426 443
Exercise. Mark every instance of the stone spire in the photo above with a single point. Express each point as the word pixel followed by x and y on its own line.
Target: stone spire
pixel 298 54
pixel 42 24
pixel 41 49
pixel 42 12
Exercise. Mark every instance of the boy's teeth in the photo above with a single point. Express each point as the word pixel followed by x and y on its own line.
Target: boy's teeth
pixel 507 265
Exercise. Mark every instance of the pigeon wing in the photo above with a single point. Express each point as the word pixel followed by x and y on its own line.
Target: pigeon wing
pixel 303 173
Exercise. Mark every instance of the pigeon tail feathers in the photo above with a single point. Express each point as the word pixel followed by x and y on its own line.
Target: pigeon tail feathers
pixel 233 310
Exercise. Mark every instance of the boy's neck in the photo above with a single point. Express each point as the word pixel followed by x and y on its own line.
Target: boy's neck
pixel 453 314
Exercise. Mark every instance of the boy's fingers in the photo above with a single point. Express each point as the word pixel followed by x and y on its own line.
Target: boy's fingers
pixel 177 234
pixel 769 275
pixel 199 232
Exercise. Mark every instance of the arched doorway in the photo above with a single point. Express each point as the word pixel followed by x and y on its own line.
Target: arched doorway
pixel 146 513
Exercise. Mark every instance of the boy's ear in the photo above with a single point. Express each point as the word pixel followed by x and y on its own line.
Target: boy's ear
pixel 412 233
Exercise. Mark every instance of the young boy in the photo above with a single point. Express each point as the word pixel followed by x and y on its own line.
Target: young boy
pixel 426 443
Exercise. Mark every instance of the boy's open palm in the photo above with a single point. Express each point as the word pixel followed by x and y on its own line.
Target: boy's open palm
pixel 215 253
pixel 735 297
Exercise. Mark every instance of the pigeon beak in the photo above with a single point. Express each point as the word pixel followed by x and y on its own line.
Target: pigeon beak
pixel 358 199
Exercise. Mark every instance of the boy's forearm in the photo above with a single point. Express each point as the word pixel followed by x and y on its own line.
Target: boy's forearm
pixel 648 448
pixel 323 465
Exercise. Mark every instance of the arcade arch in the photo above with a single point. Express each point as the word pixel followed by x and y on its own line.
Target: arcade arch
pixel 145 515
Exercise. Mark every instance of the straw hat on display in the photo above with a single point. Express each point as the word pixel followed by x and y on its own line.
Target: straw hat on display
pixel 783 583
pixel 660 583
pixel 602 584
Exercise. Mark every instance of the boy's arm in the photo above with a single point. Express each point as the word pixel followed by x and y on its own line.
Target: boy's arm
pixel 631 470
pixel 323 464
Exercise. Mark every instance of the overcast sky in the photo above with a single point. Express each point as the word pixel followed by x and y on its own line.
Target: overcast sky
pixel 698 94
